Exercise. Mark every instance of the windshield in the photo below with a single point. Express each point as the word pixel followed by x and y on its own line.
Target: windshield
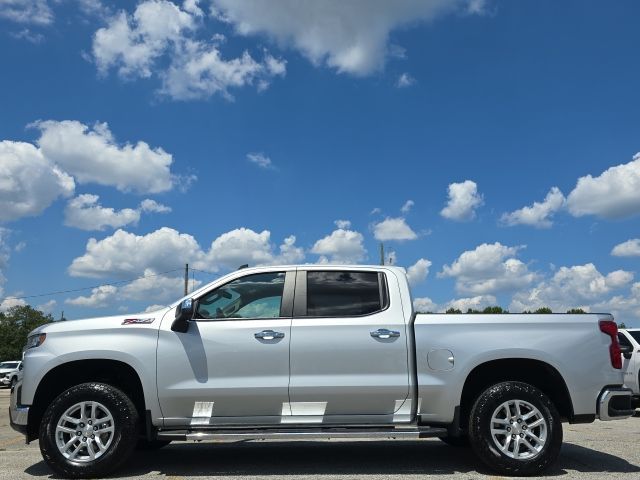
pixel 9 365
pixel 635 335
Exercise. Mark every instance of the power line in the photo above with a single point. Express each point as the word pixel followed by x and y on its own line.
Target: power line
pixel 120 282
pixel 202 271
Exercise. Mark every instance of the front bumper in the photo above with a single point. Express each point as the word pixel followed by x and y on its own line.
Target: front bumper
pixel 615 403
pixel 5 381
pixel 18 414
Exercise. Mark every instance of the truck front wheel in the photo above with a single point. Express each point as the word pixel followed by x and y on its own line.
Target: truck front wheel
pixel 515 429
pixel 88 431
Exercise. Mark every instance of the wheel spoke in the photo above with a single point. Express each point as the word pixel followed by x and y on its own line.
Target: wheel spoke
pixel 526 443
pixel 64 429
pixel 534 437
pixel 516 448
pixel 540 421
pixel 500 421
pixel 69 443
pixel 69 419
pixel 507 442
pixel 92 454
pixel 100 444
pixel 75 452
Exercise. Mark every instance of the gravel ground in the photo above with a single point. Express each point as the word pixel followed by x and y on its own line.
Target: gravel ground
pixel 589 451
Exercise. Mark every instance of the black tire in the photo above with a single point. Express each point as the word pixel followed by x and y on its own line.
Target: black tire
pixel 125 431
pixel 144 444
pixel 459 442
pixel 480 423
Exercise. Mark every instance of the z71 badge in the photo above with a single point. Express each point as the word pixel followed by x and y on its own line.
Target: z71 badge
pixel 137 321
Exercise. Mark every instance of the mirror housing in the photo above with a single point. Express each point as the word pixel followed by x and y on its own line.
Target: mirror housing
pixel 626 351
pixel 184 313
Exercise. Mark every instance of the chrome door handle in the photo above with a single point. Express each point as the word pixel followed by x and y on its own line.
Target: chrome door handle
pixel 268 335
pixel 384 333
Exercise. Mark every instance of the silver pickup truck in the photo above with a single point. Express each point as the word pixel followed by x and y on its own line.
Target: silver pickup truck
pixel 315 351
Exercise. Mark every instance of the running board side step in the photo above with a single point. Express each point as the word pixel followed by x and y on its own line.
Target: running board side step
pixel 233 435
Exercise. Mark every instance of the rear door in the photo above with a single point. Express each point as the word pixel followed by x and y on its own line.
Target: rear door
pixel 349 349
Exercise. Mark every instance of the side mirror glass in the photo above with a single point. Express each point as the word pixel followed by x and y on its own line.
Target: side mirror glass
pixel 184 313
pixel 626 351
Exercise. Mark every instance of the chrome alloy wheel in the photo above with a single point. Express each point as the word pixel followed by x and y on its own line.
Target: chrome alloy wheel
pixel 519 429
pixel 84 432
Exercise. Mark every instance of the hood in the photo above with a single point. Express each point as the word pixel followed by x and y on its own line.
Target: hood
pixel 145 319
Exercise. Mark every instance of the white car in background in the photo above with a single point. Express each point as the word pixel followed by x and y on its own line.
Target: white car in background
pixel 10 373
pixel 629 340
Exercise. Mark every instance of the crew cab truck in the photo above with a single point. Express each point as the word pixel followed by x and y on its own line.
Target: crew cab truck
pixel 315 351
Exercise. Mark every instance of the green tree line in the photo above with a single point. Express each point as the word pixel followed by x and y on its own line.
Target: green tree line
pixel 15 325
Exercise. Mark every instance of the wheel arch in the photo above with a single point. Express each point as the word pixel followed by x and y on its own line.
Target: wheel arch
pixel 113 372
pixel 538 373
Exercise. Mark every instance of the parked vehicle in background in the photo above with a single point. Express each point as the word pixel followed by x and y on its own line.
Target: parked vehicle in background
pixel 10 373
pixel 315 351
pixel 629 339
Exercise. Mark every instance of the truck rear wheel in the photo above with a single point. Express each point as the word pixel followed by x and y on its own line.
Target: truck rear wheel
pixel 515 429
pixel 88 431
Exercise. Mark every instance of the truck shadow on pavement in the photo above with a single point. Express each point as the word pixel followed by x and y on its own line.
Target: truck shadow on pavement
pixel 336 458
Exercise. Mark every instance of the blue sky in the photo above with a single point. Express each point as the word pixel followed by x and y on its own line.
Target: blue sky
pixel 214 132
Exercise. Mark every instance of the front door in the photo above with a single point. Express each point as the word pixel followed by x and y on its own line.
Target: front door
pixel 349 350
pixel 232 364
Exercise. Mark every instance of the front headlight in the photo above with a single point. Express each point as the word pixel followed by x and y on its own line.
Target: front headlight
pixel 35 340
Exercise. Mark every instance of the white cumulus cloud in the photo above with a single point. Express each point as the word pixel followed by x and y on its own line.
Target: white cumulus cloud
pixel 36 12
pixel 405 80
pixel 425 304
pixel 571 287
pixel 478 302
pixel 418 272
pixel 408 205
pixel 92 155
pixel 463 201
pixel 244 246
pixel 539 214
pixel 630 248
pixel 615 193
pixel 86 213
pixel 260 159
pixel 100 297
pixel 393 229
pixel 159 38
pixel 489 269
pixel 126 255
pixel 341 246
pixel 29 181
pixel 351 37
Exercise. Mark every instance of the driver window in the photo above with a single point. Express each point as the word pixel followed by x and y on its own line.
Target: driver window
pixel 252 296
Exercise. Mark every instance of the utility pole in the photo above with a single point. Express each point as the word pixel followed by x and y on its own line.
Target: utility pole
pixel 186 279
pixel 381 253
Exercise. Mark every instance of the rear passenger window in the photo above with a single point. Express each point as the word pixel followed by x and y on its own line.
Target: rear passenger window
pixel 344 293
pixel 623 340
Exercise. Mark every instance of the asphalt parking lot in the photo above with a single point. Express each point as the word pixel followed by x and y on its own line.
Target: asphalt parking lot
pixel 589 451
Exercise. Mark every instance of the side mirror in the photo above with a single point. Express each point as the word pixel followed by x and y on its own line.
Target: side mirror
pixel 184 313
pixel 626 351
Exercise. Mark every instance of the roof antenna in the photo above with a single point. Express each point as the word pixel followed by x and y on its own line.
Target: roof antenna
pixel 246 265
